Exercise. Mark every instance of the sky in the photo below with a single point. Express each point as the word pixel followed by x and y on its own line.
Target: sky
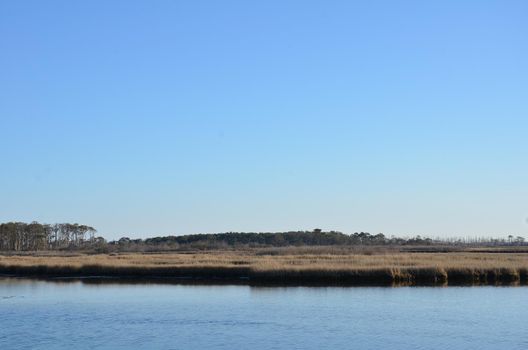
pixel 145 118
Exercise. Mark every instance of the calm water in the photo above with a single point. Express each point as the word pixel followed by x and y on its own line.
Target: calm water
pixel 47 315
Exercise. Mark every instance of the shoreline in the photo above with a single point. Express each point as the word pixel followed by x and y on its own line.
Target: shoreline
pixel 258 267
pixel 381 278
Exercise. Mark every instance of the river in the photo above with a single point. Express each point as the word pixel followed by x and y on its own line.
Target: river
pixel 76 315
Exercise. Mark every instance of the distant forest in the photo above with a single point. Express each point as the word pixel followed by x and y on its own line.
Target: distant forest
pixel 19 236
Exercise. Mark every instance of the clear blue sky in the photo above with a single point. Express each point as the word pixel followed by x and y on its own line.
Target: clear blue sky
pixel 149 118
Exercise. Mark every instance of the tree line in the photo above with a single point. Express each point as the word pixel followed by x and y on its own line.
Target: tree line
pixel 316 237
pixel 21 236
pixel 274 239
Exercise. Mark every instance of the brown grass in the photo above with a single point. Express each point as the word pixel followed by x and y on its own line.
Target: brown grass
pixel 286 267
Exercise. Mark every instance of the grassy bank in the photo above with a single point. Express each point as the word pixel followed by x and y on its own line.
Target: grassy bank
pixel 286 266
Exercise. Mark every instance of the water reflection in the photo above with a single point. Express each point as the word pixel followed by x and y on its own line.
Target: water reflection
pixel 101 280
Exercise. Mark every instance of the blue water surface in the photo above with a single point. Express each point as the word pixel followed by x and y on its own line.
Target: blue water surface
pixel 75 315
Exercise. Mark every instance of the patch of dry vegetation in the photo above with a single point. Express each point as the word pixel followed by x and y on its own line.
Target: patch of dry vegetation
pixel 286 266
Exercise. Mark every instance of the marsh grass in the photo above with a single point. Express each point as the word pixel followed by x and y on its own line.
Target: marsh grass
pixel 286 266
